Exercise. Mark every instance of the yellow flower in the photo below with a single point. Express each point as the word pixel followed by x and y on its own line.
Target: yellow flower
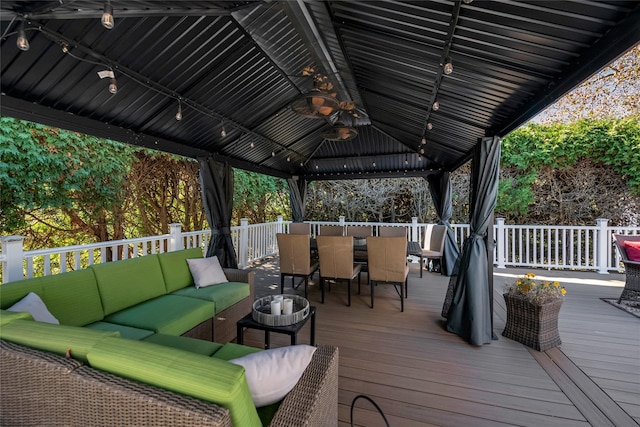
pixel 556 284
pixel 563 291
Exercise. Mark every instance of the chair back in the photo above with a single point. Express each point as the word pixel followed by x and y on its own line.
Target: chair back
pixel 295 253
pixel 300 228
pixel 359 230
pixel 331 230
pixel 387 259
pixel 336 256
pixel 434 241
pixel 388 231
pixel 620 243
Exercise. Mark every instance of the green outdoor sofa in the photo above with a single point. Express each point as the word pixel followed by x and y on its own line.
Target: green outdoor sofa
pixel 135 346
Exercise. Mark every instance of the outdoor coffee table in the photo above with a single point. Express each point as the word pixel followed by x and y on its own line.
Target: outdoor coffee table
pixel 291 330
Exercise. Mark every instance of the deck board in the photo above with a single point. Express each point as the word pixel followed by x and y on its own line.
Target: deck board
pixel 422 375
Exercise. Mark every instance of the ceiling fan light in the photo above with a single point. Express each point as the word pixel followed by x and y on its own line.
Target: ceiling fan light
pixel 315 105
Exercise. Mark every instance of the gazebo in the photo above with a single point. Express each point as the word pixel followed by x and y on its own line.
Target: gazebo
pixel 319 90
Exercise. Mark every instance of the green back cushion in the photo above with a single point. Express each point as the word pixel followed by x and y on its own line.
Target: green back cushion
pixel 129 282
pixel 176 370
pixel 54 338
pixel 233 351
pixel 224 294
pixel 10 316
pixel 72 297
pixel 168 314
pixel 175 268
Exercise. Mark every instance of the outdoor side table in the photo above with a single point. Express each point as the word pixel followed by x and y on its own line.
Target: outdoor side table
pixel 291 330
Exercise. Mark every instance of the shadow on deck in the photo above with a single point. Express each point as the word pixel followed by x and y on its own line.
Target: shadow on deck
pixel 421 375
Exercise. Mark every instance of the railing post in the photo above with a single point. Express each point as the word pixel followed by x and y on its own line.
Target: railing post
pixel 414 229
pixel 280 224
pixel 500 243
pixel 341 220
pixel 12 267
pixel 176 242
pixel 604 243
pixel 243 250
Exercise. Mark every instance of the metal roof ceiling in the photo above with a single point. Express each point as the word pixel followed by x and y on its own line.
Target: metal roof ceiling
pixel 237 65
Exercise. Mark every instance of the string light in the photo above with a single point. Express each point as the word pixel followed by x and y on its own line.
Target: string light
pixel 422 151
pixel 424 141
pixel 419 158
pixel 179 113
pixel 429 126
pixel 107 16
pixel 301 164
pixel 22 42
pixel 252 144
pixel 436 106
pixel 374 164
pixel 113 86
pixel 448 67
pixel 288 158
pixel 273 154
pixel 223 132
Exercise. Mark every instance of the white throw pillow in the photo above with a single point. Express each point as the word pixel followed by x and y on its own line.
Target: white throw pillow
pixel 33 305
pixel 206 271
pixel 271 374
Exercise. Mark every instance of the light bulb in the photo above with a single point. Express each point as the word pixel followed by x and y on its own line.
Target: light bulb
pixel 301 164
pixel 223 132
pixel 288 158
pixel 424 141
pixel 448 67
pixel 467 1
pixel 436 106
pixel 344 166
pixel 113 86
pixel 374 164
pixel 273 154
pixel 429 126
pixel 316 166
pixel 422 151
pixel 22 42
pixel 419 158
pixel 179 113
pixel 107 16
pixel 252 144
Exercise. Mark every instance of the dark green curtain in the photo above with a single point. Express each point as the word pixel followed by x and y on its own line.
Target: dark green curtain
pixel 470 314
pixel 216 180
pixel 440 189
pixel 298 197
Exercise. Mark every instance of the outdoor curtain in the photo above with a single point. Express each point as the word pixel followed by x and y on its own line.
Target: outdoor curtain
pixel 470 313
pixel 440 188
pixel 298 197
pixel 216 180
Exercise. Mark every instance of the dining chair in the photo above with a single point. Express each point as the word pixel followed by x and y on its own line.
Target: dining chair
pixel 388 264
pixel 336 261
pixel 331 230
pixel 300 228
pixel 295 259
pixel 360 232
pixel 629 246
pixel 433 244
pixel 389 231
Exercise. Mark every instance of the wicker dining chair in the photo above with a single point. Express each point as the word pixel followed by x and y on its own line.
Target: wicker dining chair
pixel 331 230
pixel 360 232
pixel 336 261
pixel 389 231
pixel 295 259
pixel 388 264
pixel 300 228
pixel 631 289
pixel 434 244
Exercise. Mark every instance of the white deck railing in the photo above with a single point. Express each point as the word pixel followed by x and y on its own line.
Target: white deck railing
pixel 537 246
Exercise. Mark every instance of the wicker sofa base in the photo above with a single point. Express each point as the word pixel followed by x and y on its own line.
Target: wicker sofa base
pixel 42 389
pixel 535 326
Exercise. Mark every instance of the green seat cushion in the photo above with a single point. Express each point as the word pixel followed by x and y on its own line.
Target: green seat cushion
pixel 10 316
pixel 168 314
pixel 233 351
pixel 193 345
pixel 224 294
pixel 125 331
pixel 123 284
pixel 72 297
pixel 54 338
pixel 179 371
pixel 175 268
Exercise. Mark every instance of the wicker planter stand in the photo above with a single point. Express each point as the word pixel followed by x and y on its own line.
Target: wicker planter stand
pixel 535 326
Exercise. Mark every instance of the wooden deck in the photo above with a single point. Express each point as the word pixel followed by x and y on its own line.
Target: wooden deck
pixel 421 375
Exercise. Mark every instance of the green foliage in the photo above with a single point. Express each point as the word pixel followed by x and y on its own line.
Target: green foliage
pixel 259 198
pixel 42 168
